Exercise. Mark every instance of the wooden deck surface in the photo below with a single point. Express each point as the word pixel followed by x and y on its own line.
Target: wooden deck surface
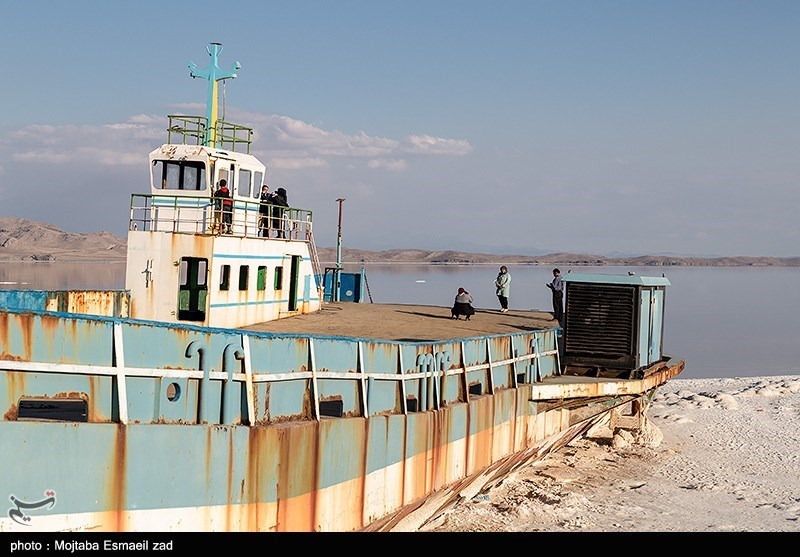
pixel 405 322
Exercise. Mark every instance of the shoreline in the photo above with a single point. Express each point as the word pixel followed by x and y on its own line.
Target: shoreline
pixel 720 456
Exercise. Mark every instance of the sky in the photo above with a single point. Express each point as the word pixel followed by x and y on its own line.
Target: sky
pixel 511 127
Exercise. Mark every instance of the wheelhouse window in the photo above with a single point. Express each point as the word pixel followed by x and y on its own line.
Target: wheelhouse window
pixel 244 183
pixel 257 182
pixel 179 175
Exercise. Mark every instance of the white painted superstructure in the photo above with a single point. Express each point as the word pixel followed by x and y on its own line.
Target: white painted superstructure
pixel 183 266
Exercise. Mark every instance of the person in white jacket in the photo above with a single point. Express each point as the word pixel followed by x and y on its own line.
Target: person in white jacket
pixel 503 284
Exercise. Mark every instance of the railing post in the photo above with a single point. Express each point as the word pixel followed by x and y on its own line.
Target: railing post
pixel 490 375
pixel 196 348
pixel 464 373
pixel 315 390
pixel 248 375
pixel 365 388
pixel 228 407
pixel 513 361
pixel 403 395
pixel 119 362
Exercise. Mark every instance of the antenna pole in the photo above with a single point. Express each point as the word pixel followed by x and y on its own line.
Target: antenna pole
pixel 337 284
pixel 214 75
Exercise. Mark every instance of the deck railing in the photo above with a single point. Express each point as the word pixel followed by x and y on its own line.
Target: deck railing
pixel 192 130
pixel 191 214
pixel 261 378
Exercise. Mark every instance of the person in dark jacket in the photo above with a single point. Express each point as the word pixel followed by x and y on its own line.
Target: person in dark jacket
pixel 279 201
pixel 462 305
pixel 264 211
pixel 225 205
pixel 557 286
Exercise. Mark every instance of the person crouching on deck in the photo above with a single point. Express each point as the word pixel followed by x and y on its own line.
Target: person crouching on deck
pixel 463 305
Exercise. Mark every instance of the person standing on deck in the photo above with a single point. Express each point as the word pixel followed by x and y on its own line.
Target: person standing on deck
pixel 557 286
pixel 226 206
pixel 263 211
pixel 503 285
pixel 279 201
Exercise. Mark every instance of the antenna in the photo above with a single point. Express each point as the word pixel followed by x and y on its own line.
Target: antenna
pixel 213 74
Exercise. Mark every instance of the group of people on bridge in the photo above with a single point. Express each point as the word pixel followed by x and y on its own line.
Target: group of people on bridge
pixel 271 210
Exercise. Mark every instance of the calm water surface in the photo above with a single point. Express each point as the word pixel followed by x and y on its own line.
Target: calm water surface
pixel 725 322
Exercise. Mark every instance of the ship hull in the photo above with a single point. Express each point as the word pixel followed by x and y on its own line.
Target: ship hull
pixel 275 432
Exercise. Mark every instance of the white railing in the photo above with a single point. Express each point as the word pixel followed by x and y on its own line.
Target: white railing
pixel 186 214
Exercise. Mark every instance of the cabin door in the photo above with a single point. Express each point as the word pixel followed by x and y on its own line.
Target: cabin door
pixel 294 278
pixel 192 289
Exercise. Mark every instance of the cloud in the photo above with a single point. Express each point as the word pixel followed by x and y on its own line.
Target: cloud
pixel 295 163
pixel 280 133
pixel 392 164
pixel 282 142
pixel 429 145
pixel 121 143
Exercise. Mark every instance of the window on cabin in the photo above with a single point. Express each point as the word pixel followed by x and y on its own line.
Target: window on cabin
pixel 243 276
pixel 261 282
pixel 244 183
pixel 257 182
pixel 179 175
pixel 278 278
pixel 225 277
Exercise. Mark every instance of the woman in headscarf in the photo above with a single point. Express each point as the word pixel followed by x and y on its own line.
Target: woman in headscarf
pixel 463 305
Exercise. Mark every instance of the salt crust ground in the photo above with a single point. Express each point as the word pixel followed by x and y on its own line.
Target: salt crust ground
pixel 718 455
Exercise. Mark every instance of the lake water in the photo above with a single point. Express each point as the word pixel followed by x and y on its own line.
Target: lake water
pixel 724 321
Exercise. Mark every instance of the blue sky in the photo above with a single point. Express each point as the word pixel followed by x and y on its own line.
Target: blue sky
pixel 633 127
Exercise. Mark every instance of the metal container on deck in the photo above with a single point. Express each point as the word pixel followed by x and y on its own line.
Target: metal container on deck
pixel 613 323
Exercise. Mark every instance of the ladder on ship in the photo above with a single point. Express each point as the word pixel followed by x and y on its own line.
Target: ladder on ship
pixel 312 250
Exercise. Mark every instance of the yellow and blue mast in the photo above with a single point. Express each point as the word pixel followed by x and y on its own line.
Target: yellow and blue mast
pixel 214 75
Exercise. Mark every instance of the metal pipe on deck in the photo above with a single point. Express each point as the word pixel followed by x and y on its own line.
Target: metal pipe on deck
pixel 337 283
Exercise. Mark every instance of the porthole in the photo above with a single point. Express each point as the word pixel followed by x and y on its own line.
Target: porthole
pixel 173 392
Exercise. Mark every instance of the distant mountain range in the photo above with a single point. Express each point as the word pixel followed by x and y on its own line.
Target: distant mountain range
pixel 26 240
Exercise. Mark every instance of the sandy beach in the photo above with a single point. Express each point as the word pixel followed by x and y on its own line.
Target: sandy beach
pixel 718 455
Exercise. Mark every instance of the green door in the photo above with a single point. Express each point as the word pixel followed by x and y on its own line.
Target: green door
pixel 294 278
pixel 193 289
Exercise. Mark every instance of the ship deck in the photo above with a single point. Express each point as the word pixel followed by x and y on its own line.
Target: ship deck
pixel 401 322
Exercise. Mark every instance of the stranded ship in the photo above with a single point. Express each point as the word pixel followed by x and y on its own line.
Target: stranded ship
pixel 174 405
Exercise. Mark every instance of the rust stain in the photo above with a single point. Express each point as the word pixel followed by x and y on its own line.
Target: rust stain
pixel 255 440
pixel 25 326
pixel 117 478
pixel 15 385
pixel 229 490
pixel 11 414
pixel 93 416
pixel 73 323
pixel 50 325
pixel 10 357
pixel 208 459
pixel 78 395
pixel 4 330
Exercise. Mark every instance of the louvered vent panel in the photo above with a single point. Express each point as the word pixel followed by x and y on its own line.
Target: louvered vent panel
pixel 600 320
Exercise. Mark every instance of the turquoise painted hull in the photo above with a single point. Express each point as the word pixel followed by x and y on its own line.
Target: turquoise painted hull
pixel 192 428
